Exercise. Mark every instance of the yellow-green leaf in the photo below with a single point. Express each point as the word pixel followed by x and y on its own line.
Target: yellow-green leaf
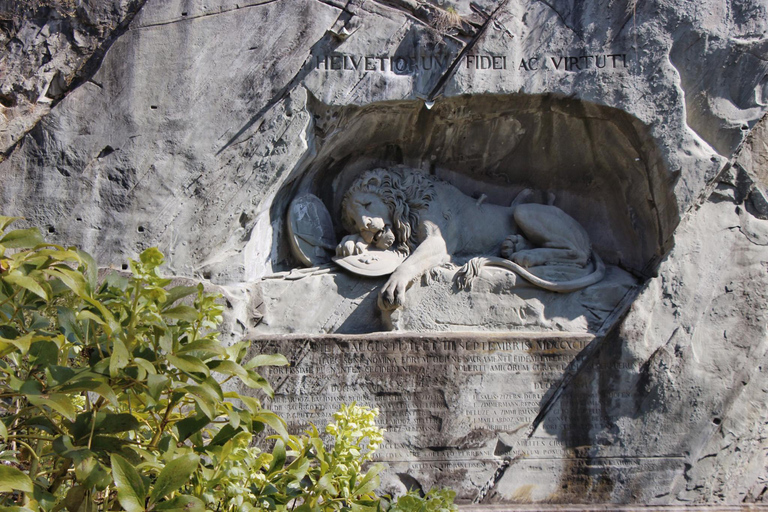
pixel 119 358
pixel 266 360
pixel 22 238
pixel 173 476
pixel 56 401
pixel 17 278
pixel 274 421
pixel 22 343
pixel 146 365
pixel 131 492
pixel 72 279
pixel 181 312
pixel 253 404
pixel 7 221
pixel 12 479
pixel 182 504
pixel 188 364
pixel 87 315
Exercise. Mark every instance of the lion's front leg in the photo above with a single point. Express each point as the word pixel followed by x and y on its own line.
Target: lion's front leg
pixel 432 252
pixel 392 294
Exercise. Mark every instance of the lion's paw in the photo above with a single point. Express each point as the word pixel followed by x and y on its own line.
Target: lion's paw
pixel 513 244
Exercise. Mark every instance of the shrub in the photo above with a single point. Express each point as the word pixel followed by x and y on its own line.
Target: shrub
pixel 111 399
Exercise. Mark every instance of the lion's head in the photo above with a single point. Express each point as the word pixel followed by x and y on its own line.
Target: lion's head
pixel 405 192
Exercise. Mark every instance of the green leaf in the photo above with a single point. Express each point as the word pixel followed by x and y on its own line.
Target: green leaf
pixel 226 433
pixel 99 387
pixel 191 425
pixel 68 323
pixel 119 358
pixel 91 268
pixel 72 278
pixel 21 343
pixel 44 353
pixel 203 398
pixel 31 387
pixel 26 282
pixel 114 423
pixel 267 360
pixel 299 467
pixel 58 375
pixel 7 221
pixel 151 257
pixel 91 473
pixel 45 499
pixel 182 312
pixel 88 315
pixel 12 479
pixel 22 239
pixel 156 385
pixel 257 381
pixel 40 423
pixel 278 458
pixel 182 504
pixel 370 481
pixel 274 421
pixel 104 423
pixel 63 446
pixel 179 292
pixel 326 484
pixel 131 492
pixel 75 498
pixel 3 430
pixel 166 341
pixel 189 364
pixel 175 474
pixel 359 507
pixel 56 401
pixel 112 325
pixel 253 404
pixel 206 346
pixel 145 365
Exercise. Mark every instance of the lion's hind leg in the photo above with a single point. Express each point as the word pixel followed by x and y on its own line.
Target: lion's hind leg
pixel 548 256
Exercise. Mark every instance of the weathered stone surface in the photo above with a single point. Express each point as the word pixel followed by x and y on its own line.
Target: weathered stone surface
pixel 230 117
pixel 50 46
pixel 192 126
pixel 500 301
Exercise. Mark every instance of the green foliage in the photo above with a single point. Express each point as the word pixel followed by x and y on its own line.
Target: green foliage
pixel 108 391
pixel 111 399
pixel 301 473
pixel 436 500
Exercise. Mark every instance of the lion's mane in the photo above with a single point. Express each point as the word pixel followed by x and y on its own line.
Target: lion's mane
pixel 406 192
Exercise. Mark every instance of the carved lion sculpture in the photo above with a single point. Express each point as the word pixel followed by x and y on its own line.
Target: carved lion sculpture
pixel 430 221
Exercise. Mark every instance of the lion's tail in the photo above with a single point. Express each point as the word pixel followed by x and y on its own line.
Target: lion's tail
pixel 472 269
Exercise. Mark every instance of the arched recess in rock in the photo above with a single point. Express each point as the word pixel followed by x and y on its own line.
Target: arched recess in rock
pixel 601 163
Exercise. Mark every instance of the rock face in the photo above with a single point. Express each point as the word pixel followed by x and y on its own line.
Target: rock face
pixel 193 126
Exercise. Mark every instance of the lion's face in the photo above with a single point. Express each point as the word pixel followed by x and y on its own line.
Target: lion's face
pixel 371 218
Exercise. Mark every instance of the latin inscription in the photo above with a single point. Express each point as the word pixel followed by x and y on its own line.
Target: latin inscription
pixel 420 385
pixel 413 64
pixel 455 407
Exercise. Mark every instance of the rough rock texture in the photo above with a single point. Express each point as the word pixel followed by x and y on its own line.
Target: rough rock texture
pixel 50 47
pixel 192 125
pixel 500 301
pixel 214 126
